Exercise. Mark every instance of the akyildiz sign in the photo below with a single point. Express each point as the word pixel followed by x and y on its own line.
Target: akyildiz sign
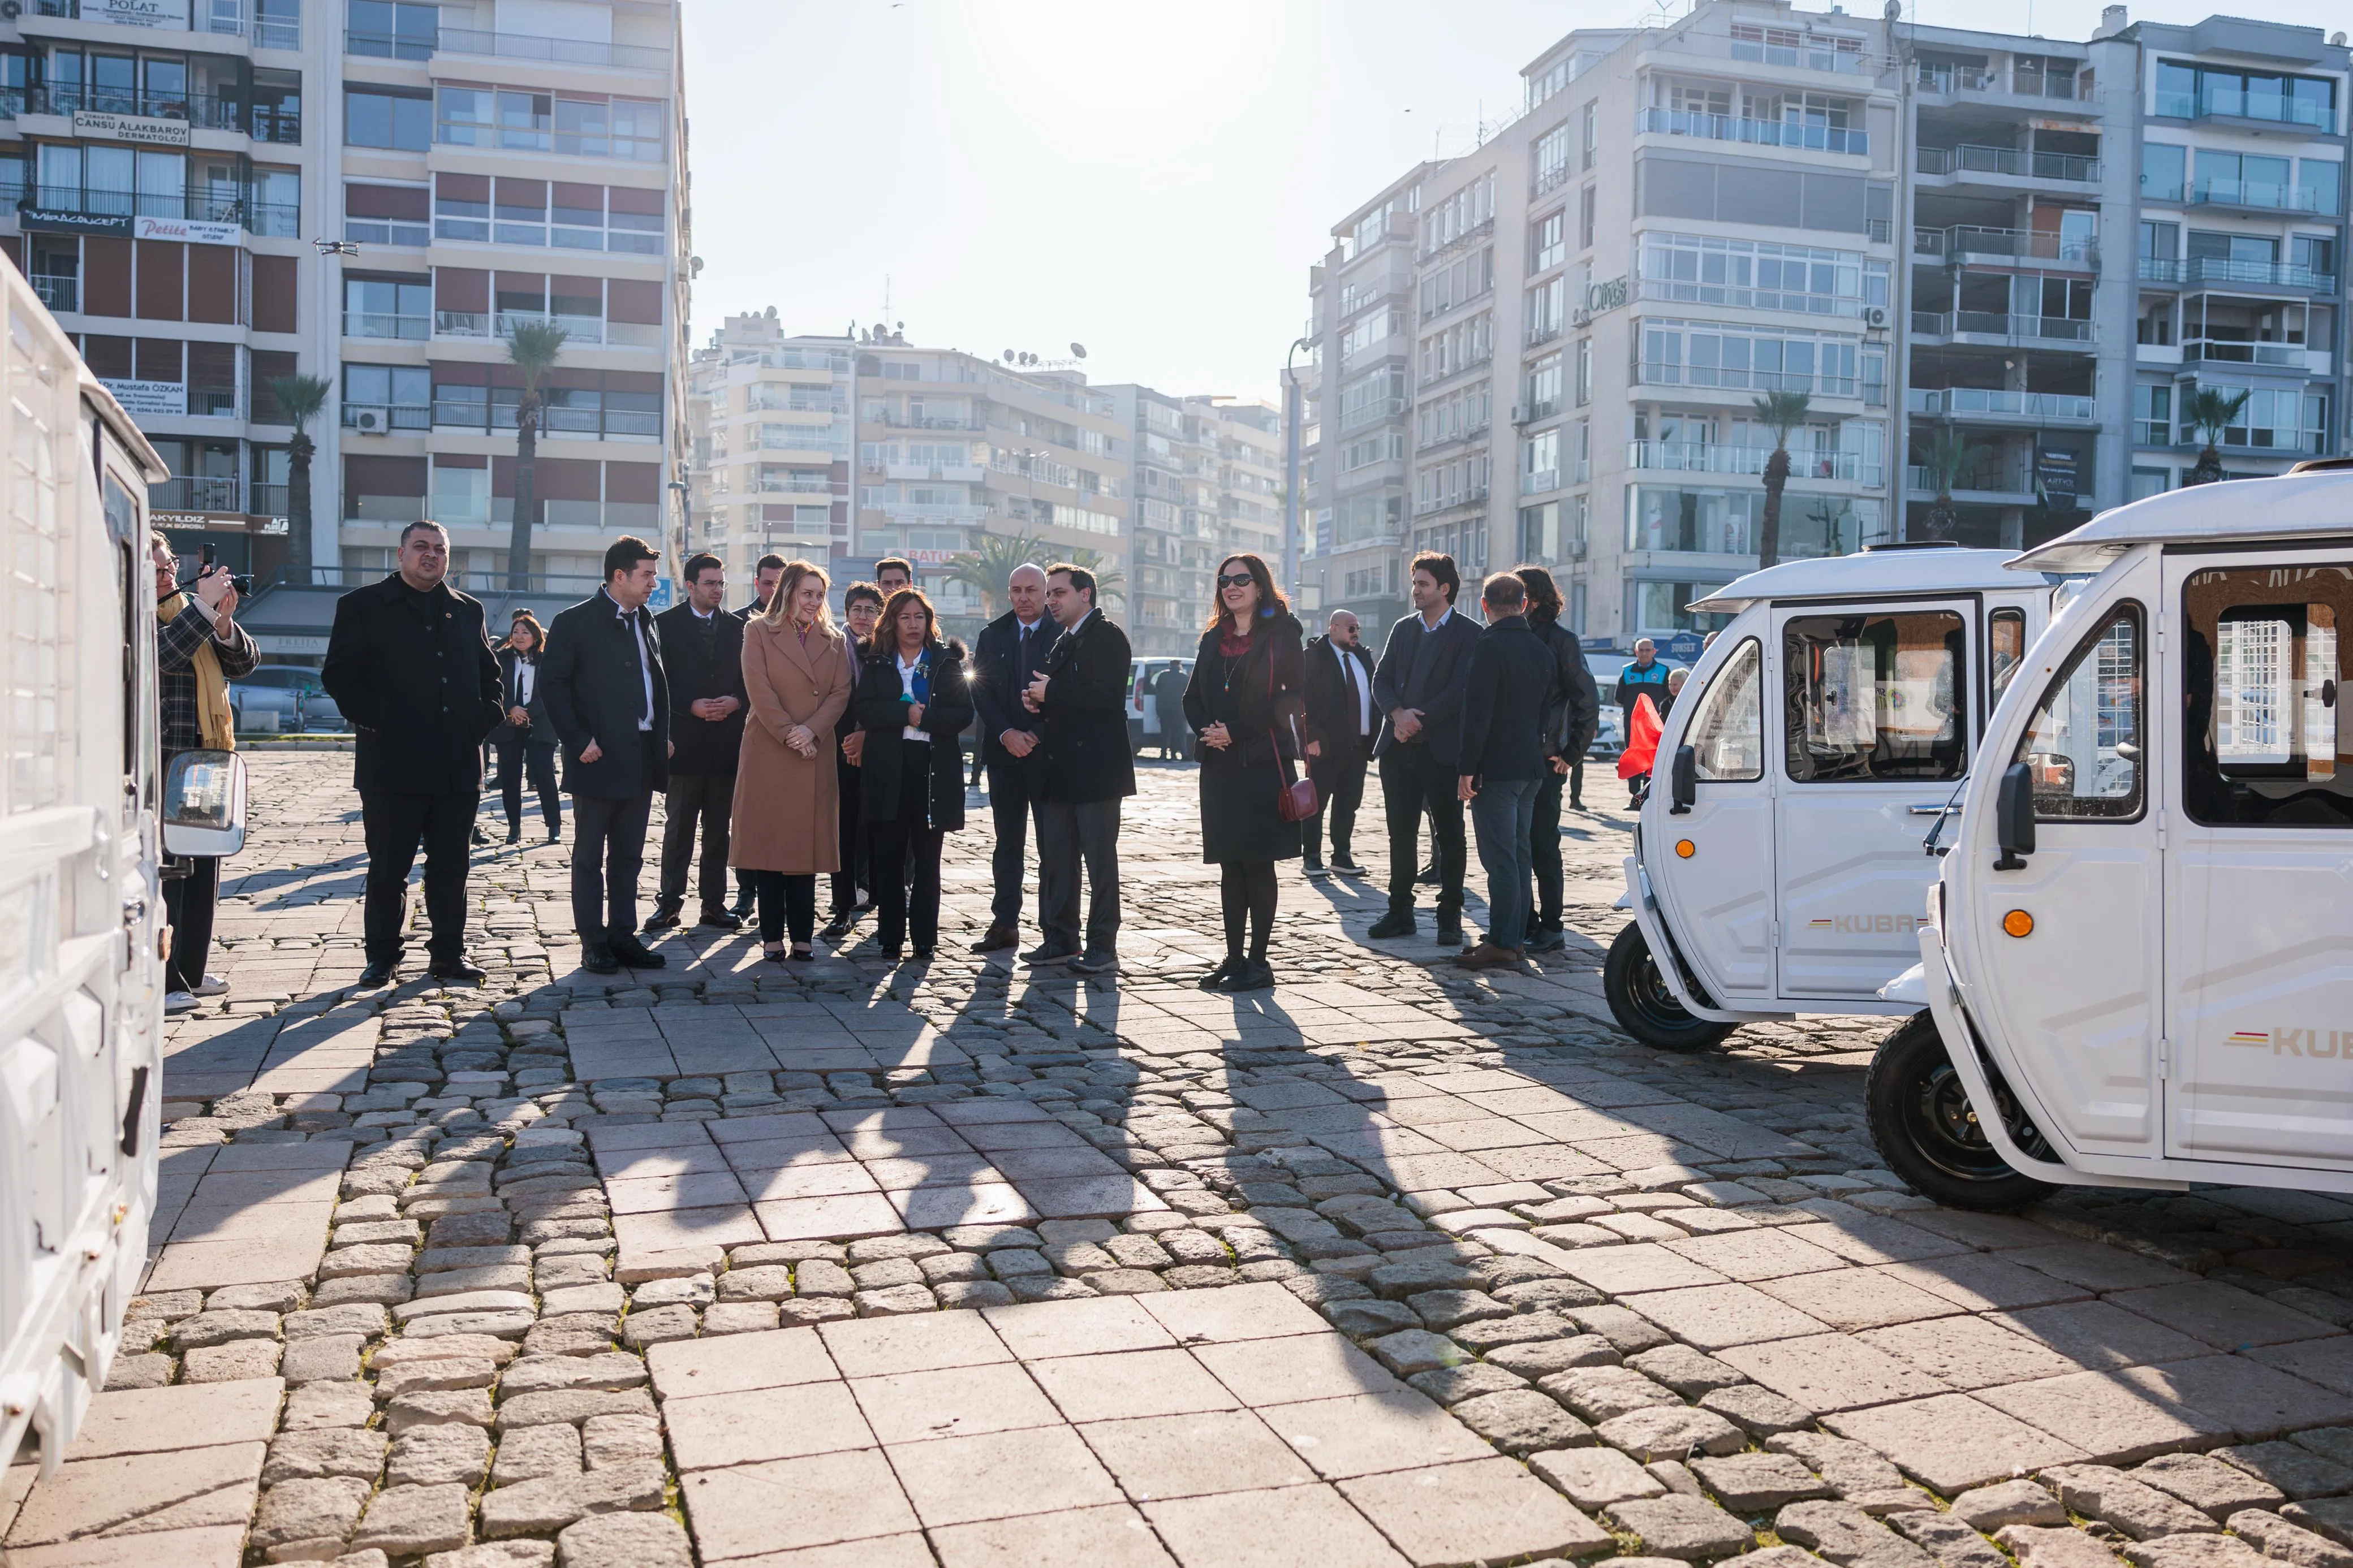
pixel 48 220
pixel 146 129
pixel 137 13
pixel 188 231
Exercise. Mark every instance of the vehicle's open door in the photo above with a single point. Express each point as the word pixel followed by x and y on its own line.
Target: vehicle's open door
pixel 1712 869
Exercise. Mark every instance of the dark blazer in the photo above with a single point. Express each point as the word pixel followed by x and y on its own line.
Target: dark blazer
pixel 1263 689
pixel 703 746
pixel 542 731
pixel 415 675
pixel 880 713
pixel 1435 687
pixel 1576 712
pixel 999 674
pixel 595 692
pixel 1332 714
pixel 1503 707
pixel 1087 754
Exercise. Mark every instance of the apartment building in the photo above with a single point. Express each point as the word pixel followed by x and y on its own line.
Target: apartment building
pixel 1551 349
pixel 771 435
pixel 1206 483
pixel 214 194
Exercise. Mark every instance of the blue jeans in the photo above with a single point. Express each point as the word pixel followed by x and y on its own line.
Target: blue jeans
pixel 1501 813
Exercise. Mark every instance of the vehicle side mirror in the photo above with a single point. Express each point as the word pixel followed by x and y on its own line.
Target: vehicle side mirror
pixel 1684 782
pixel 203 804
pixel 2013 818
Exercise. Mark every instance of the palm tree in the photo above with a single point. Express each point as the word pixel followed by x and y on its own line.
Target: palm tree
pixel 1948 456
pixel 985 568
pixel 1109 580
pixel 534 347
pixel 2210 411
pixel 299 398
pixel 1780 412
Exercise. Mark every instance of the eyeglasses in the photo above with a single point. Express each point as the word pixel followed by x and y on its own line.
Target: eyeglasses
pixel 1235 580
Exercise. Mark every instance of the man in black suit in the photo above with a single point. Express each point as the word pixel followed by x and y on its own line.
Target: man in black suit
pixel 1341 724
pixel 1082 694
pixel 409 665
pixel 1419 687
pixel 765 575
pixel 1009 653
pixel 1504 761
pixel 702 654
pixel 610 703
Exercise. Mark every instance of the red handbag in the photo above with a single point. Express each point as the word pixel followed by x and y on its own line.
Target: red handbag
pixel 1295 802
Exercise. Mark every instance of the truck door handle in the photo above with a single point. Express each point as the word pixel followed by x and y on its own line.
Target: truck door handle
pixel 1934 808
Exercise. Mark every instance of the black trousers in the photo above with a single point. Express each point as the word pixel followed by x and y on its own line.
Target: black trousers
pixel 1576 784
pixel 395 822
pixel 785 900
pixel 1015 785
pixel 1071 835
pixel 906 857
pixel 1339 791
pixel 516 757
pixel 853 874
pixel 189 904
pixel 1544 852
pixel 707 798
pixel 1413 782
pixel 1247 890
pixel 608 851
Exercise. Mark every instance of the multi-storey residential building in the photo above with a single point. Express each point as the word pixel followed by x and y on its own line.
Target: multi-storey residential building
pixel 1207 483
pixel 1919 229
pixel 470 166
pixel 770 437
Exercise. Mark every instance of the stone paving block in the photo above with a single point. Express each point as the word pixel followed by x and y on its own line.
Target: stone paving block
pixel 2134 1506
pixel 1953 1442
pixel 996 1475
pixel 1478 1511
pixel 1113 1536
pixel 2206 1483
pixel 1126 1383
pixel 1716 1317
pixel 624 1541
pixel 1753 1483
pixel 438 1456
pixel 133 1494
pixel 1595 1477
pixel 1289 1527
pixel 1969 1352
pixel 2328 1362
pixel 1670 1434
pixel 1846 1535
pixel 1280 1372
pixel 2060 1548
pixel 152 1420
pixel 2117 1416
pixel 2289 1467
pixel 1951 1542
pixel 2331 1517
pixel 1195 1455
pixel 1831 1371
pixel 1362 1434
pixel 1687 1528
pixel 765 1424
pixel 198 1546
pixel 2223 1316
pixel 2006 1503
pixel 1036 1330
pixel 2283 1541
pixel 877 1347
pixel 2193 1551
pixel 1855 1298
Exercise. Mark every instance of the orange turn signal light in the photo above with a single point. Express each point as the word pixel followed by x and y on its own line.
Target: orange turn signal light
pixel 2017 922
pixel 1685 848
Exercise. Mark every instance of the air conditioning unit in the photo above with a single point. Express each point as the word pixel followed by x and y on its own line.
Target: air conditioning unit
pixel 1519 414
pixel 370 419
pixel 1875 317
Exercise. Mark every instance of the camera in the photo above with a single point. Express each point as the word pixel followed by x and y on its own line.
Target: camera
pixel 241 581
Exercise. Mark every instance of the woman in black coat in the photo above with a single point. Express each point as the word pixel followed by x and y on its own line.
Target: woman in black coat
pixel 1243 703
pixel 912 701
pixel 525 738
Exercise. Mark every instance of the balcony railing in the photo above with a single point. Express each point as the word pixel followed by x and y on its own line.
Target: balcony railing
pixel 2265 195
pixel 1470 495
pixel 1993 323
pixel 202 204
pixel 1707 458
pixel 2224 269
pixel 1757 132
pixel 503 323
pixel 1983 480
pixel 386 324
pixel 2239 104
pixel 1734 379
pixel 58 293
pixel 1543 333
pixel 379 417
pixel 1951 78
pixel 1803 55
pixel 2015 244
pixel 1976 402
pixel 2009 161
pixel 559 52
pixel 2227 351
pixel 198 492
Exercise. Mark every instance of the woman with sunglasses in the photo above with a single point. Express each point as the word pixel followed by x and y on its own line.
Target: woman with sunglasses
pixel 1243 705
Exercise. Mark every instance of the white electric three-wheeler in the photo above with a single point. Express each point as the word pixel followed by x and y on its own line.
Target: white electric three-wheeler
pixel 1780 859
pixel 2138 960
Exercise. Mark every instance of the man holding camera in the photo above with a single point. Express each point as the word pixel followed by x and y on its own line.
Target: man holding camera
pixel 199 649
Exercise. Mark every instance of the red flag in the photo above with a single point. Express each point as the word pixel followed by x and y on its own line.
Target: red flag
pixel 1642 727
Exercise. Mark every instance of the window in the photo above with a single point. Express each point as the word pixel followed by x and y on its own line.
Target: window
pixel 398 395
pixel 387 308
pixel 1591 116
pixel 2187 92
pixel 1552 159
pixel 2005 646
pixel 386 117
pixel 1727 734
pixel 1540 463
pixel 2164 171
pixel 1543 388
pixel 1585 211
pixel 1447 287
pixel 1875 697
pixel 1584 372
pixel 1752 274
pixel 1540 531
pixel 2160 241
pixel 2153 414
pixel 392 29
pixel 2317 181
pixel 1700 353
pixel 1450 350
pixel 2262 672
pixel 2147 482
pixel 386 214
pixel 1547 242
pixel 2083 746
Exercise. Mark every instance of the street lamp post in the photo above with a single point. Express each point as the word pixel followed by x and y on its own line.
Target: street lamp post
pixel 1291 478
pixel 303 555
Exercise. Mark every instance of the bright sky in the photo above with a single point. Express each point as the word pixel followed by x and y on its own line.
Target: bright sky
pixel 1152 181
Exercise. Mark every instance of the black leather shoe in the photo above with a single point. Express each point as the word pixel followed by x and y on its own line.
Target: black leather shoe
pixel 1346 866
pixel 597 959
pixel 1392 924
pixel 462 970
pixel 1094 963
pixel 378 973
pixel 838 928
pixel 1450 936
pixel 636 954
pixel 923 951
pixel 1314 870
pixel 662 919
pixel 996 938
pixel 720 919
pixel 1216 979
pixel 1045 953
pixel 1255 974
pixel 1548 942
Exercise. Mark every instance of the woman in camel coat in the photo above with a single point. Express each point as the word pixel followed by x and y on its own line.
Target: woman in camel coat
pixel 796 672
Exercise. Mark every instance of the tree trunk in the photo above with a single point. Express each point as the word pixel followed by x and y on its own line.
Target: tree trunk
pixel 1769 531
pixel 2208 470
pixel 297 508
pixel 526 496
pixel 1942 524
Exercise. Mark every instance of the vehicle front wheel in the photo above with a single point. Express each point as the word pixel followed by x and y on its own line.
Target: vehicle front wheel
pixel 1928 1132
pixel 1642 1003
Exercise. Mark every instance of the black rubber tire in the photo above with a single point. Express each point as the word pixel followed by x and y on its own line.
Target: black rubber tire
pixel 1643 1006
pixel 1927 1131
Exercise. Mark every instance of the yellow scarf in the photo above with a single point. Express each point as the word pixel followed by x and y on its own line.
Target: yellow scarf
pixel 216 725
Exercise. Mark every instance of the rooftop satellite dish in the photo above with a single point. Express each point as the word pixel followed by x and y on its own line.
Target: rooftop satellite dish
pixel 1008 356
pixel 1078 351
pixel 1895 11
pixel 898 326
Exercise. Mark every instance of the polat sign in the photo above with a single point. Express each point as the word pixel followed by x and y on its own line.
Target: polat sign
pixel 1600 299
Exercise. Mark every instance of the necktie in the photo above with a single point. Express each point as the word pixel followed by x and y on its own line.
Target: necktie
pixel 1356 703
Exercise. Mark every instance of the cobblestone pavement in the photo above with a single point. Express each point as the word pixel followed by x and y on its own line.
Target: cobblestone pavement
pixel 836 1264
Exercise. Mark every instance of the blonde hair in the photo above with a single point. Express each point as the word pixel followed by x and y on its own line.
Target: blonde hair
pixel 779 611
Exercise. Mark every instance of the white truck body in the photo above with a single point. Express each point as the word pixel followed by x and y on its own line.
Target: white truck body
pixel 81 920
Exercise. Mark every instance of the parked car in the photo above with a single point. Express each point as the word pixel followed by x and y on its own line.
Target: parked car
pixel 293 693
pixel 1143 712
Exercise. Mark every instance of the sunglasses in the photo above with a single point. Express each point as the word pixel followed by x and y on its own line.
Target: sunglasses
pixel 1235 579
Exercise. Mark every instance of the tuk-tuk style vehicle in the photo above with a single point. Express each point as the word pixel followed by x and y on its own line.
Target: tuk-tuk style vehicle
pixel 2138 960
pixel 1781 856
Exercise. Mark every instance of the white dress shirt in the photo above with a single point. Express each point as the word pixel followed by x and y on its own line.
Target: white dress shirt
pixel 1354 674
pixel 629 618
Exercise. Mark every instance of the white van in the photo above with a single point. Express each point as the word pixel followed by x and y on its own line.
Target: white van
pixel 2138 960
pixel 81 970
pixel 1780 857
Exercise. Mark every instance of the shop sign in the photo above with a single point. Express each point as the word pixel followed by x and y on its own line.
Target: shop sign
pixel 139 397
pixel 137 13
pixel 1600 299
pixel 188 230
pixel 145 129
pixel 48 220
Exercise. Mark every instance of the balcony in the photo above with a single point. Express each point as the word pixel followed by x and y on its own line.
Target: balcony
pixel 501 324
pixel 2229 103
pixel 1963 243
pixel 1993 324
pixel 1802 55
pixel 1988 403
pixel 1756 133
pixel 1485 228
pixel 2232 350
pixel 2222 270
pixel 1990 482
pixel 2264 196
pixel 200 492
pixel 382 419
pixel 2047 87
pixel 906 422
pixel 557 51
pixel 1543 333
pixel 58 293
pixel 386 324
pixel 1734 379
pixel 1701 458
pixel 1470 495
pixel 2009 162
